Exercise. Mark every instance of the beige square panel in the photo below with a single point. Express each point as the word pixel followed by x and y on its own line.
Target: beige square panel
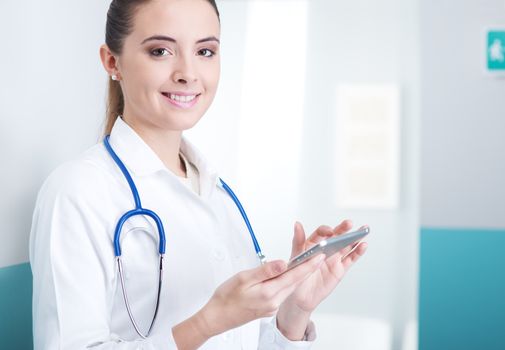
pixel 367 146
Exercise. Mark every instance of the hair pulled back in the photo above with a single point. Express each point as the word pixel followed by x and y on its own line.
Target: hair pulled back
pixel 119 25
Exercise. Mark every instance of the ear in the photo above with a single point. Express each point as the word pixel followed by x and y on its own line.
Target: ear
pixel 109 61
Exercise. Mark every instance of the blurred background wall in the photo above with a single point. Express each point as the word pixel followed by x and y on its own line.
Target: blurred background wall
pixel 462 178
pixel 273 130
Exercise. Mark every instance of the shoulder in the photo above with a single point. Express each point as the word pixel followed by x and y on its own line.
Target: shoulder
pixel 81 178
pixel 73 207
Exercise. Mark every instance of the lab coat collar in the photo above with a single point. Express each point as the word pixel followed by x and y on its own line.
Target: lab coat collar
pixel 208 176
pixel 141 160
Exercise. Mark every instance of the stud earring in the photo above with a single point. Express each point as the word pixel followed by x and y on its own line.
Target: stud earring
pixel 114 77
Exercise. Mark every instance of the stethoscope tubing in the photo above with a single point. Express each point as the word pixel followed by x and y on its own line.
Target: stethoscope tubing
pixel 246 220
pixel 138 210
pixel 138 206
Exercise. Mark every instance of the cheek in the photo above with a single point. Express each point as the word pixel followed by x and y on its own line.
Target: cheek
pixel 211 76
pixel 152 76
pixel 143 73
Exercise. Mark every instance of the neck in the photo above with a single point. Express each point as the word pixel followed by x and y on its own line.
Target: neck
pixel 165 143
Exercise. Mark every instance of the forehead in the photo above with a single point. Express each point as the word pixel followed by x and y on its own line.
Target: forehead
pixel 181 19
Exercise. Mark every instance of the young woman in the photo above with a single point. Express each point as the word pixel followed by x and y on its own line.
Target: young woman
pixel 163 60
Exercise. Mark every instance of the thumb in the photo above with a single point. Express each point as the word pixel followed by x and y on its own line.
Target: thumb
pixel 266 271
pixel 298 240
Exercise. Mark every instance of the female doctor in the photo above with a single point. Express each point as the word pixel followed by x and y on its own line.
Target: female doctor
pixel 208 290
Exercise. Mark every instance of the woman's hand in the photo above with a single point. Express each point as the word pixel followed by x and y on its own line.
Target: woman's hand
pixel 294 313
pixel 246 296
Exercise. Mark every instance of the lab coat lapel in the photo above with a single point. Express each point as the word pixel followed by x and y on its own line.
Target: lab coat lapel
pixel 133 151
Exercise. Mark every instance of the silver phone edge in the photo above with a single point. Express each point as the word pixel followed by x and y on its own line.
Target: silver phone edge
pixel 317 249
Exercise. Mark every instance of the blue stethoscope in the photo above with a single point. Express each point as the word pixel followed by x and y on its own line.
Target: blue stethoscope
pixel 161 232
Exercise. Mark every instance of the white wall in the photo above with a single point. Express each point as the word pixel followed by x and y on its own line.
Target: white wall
pixel 463 117
pixel 51 101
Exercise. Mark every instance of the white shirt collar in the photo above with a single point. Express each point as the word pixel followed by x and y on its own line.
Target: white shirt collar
pixel 141 160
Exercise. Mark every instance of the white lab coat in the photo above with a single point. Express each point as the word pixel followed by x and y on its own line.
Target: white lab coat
pixel 77 298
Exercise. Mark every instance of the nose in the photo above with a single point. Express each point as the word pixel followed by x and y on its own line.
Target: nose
pixel 184 72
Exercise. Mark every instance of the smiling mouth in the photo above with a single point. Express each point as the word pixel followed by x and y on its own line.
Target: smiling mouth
pixel 180 98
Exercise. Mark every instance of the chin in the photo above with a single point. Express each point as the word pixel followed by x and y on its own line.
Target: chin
pixel 180 124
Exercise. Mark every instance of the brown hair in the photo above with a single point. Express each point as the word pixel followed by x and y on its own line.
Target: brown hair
pixel 119 25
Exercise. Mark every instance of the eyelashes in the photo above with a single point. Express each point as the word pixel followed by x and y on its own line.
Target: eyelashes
pixel 162 52
pixel 156 52
pixel 212 53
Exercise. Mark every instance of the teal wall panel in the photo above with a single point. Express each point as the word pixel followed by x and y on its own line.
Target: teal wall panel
pixel 462 289
pixel 16 307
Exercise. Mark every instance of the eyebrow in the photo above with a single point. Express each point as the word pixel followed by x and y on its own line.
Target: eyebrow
pixel 167 38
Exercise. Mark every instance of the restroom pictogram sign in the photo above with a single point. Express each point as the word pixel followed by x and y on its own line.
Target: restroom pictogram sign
pixel 496 50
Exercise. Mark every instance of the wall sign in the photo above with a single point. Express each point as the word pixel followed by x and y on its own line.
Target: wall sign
pixel 495 50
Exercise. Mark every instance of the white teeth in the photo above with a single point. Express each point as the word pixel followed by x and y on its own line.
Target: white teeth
pixel 182 98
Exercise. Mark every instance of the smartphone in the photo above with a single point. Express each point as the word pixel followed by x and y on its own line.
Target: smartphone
pixel 330 246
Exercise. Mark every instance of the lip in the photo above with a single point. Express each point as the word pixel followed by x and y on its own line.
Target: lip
pixel 184 105
pixel 180 93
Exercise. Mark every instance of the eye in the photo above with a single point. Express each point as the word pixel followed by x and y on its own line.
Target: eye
pixel 159 52
pixel 206 52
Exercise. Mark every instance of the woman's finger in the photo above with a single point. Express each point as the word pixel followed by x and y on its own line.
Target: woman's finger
pixel 354 255
pixel 351 246
pixel 322 232
pixel 298 244
pixel 343 227
pixel 296 274
pixel 262 273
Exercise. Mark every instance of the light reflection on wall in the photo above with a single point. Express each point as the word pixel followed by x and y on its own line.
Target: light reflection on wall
pixel 271 116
